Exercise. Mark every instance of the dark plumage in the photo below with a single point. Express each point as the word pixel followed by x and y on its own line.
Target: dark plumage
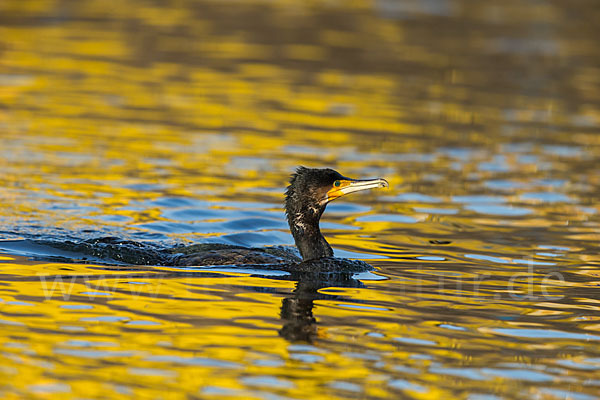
pixel 303 209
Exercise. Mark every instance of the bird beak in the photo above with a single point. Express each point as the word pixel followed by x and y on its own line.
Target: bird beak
pixel 347 186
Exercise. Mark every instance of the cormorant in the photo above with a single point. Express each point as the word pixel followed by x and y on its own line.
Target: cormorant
pixel 309 192
pixel 306 197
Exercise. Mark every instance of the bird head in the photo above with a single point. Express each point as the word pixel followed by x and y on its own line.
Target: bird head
pixel 315 188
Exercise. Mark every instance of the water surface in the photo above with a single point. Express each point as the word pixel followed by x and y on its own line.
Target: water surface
pixel 180 122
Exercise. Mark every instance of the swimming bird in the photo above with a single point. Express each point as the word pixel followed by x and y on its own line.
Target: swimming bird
pixel 306 197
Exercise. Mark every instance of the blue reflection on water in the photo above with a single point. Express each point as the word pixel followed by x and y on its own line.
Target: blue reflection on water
pixel 547 197
pixel 544 333
pixel 498 209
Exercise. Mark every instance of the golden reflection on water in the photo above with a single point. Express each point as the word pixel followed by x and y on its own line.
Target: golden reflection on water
pixel 180 122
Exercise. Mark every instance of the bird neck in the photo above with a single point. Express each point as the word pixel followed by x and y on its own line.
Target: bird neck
pixel 304 225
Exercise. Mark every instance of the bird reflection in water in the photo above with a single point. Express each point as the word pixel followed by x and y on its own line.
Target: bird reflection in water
pixel 299 323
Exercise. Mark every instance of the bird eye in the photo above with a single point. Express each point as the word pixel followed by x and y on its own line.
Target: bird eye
pixel 336 183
